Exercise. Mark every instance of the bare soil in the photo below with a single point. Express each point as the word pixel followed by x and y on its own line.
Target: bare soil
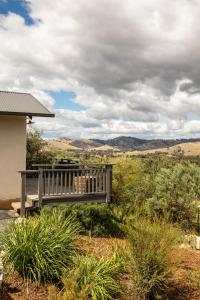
pixel 185 262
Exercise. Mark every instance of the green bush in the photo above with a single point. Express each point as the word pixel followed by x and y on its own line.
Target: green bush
pixel 97 276
pixel 176 190
pixel 149 258
pixel 41 247
pixel 36 152
pixel 131 185
pixel 95 219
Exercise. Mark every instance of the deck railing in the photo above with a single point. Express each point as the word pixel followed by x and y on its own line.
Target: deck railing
pixel 52 185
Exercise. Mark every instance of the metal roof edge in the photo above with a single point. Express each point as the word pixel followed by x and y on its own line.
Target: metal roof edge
pixel 9 113
pixel 48 114
pixel 40 103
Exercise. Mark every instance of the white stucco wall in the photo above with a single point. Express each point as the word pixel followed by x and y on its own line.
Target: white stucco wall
pixel 12 155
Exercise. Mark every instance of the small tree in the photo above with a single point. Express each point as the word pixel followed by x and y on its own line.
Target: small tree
pixel 36 152
pixel 130 185
pixel 176 191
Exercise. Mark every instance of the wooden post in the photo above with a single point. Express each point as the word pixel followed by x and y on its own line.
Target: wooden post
pixel 23 194
pixel 108 183
pixel 40 187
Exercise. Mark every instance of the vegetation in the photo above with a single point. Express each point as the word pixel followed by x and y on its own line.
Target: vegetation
pixel 127 176
pixel 97 275
pixel 152 198
pixel 90 278
pixel 150 255
pixel 41 247
pixel 176 190
pixel 95 219
pixel 165 185
pixel 36 152
pixel 194 278
pixel 71 289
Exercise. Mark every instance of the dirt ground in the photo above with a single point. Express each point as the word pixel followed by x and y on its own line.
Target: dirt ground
pixel 185 262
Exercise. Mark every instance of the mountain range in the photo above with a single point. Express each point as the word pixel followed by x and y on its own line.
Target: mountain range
pixel 121 143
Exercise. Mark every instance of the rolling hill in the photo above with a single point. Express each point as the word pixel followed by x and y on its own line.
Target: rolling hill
pixel 124 144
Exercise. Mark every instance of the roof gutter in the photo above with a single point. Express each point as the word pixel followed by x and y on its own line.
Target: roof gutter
pixel 9 113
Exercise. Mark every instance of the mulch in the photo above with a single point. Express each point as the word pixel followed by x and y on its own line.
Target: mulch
pixel 185 261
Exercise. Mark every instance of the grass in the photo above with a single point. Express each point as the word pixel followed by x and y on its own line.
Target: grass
pixel 97 276
pixel 150 253
pixel 41 247
pixel 194 278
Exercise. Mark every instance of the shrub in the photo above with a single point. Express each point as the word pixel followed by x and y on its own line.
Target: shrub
pixel 130 185
pixel 176 190
pixel 150 245
pixel 40 247
pixel 95 219
pixel 36 152
pixel 97 276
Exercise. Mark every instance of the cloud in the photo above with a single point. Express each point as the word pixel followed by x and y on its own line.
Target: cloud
pixel 134 65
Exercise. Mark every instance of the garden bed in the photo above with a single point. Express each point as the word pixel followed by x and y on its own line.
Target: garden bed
pixel 186 261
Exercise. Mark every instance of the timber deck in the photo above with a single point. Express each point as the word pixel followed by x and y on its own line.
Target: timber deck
pixel 57 186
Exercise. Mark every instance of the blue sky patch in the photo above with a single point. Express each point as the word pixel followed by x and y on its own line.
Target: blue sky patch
pixel 193 116
pixel 18 7
pixel 64 100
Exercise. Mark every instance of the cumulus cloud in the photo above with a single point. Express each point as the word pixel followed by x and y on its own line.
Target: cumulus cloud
pixel 134 65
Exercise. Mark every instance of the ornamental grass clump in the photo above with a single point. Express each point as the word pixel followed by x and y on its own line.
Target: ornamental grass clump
pixel 41 247
pixel 97 278
pixel 151 243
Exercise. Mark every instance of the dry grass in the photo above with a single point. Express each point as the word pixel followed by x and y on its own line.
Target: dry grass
pixel 192 149
pixel 62 145
pixel 65 145
pixel 188 148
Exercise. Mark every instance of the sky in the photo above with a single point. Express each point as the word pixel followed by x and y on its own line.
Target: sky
pixel 106 68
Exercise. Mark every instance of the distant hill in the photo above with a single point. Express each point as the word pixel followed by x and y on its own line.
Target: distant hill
pixel 127 143
pixel 122 143
pixel 186 149
pixel 86 144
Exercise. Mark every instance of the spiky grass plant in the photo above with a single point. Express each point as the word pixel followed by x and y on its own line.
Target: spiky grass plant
pixel 41 247
pixel 151 243
pixel 97 277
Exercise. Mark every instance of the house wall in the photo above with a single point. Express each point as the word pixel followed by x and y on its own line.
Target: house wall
pixel 12 156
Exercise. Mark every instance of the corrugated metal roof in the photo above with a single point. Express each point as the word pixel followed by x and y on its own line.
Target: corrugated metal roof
pixel 24 104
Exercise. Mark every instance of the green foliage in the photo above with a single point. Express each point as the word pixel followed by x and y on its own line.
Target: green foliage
pixel 36 152
pixel 93 159
pixel 176 190
pixel 90 277
pixel 72 291
pixel 40 247
pixel 194 279
pixel 95 219
pixel 149 258
pixel 130 185
pixel 97 276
